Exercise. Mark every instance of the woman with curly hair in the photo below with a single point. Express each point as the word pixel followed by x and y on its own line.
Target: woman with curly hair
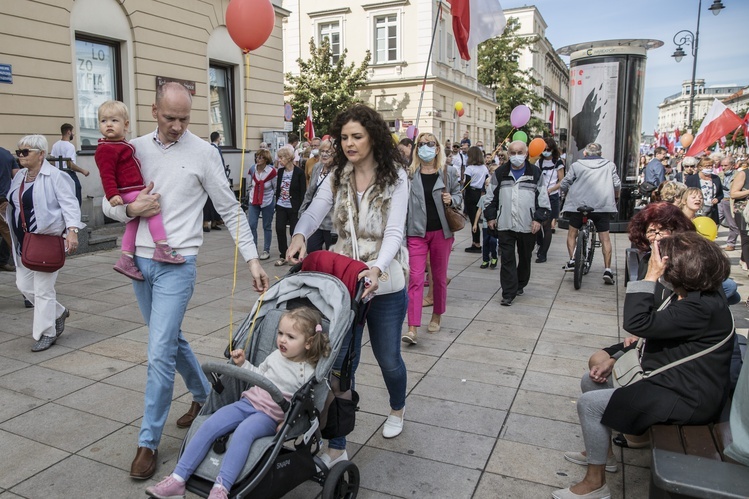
pixel 371 185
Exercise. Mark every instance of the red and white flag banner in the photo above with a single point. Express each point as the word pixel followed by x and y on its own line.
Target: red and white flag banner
pixel 475 21
pixel 551 118
pixel 309 128
pixel 718 122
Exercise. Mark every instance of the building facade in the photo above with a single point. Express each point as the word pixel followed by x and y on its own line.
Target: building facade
pixel 61 59
pixel 546 66
pixel 398 34
pixel 673 112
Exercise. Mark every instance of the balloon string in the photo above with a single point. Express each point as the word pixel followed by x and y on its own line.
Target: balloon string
pixel 508 135
pixel 239 207
pixel 254 318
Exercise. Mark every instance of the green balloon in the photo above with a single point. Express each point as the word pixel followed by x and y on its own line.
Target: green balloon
pixel 520 135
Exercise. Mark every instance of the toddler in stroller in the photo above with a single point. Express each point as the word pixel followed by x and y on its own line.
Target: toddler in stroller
pixel 261 457
pixel 300 344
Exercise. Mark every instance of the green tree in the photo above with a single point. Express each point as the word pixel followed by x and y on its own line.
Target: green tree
pixel 329 86
pixel 498 69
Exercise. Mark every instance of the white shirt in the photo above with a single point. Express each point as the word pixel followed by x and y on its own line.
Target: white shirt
pixel 65 149
pixel 478 174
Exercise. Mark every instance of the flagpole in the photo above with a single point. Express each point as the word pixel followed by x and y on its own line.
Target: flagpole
pixel 429 58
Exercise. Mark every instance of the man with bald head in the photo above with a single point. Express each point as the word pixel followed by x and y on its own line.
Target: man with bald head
pixel 181 171
pixel 519 205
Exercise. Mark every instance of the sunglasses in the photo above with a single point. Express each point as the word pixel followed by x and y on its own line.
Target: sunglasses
pixel 24 152
pixel 326 153
pixel 431 143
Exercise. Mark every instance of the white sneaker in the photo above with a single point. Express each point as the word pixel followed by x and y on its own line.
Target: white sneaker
pixel 602 493
pixel 393 425
pixel 264 255
pixel 325 458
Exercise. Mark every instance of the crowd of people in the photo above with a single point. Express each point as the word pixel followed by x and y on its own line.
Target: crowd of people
pixel 359 193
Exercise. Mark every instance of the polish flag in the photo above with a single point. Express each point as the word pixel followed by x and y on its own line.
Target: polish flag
pixel 719 121
pixel 744 126
pixel 655 134
pixel 551 118
pixel 309 128
pixel 677 134
pixel 475 21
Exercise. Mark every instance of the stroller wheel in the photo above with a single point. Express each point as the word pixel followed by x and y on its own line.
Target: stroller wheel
pixel 342 482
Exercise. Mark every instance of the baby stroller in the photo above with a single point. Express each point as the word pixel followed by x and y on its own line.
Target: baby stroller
pixel 277 464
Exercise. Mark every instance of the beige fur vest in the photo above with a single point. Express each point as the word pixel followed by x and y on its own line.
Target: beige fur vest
pixel 370 219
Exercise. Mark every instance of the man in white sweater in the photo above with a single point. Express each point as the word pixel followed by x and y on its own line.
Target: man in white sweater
pixel 181 171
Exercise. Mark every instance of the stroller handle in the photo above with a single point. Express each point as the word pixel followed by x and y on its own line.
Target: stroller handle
pixel 247 376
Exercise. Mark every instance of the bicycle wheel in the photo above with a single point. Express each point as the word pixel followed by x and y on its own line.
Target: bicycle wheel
pixel 579 258
pixel 591 248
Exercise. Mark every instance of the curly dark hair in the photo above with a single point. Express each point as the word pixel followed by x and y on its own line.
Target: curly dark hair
pixel 552 145
pixel 665 215
pixel 694 263
pixel 385 151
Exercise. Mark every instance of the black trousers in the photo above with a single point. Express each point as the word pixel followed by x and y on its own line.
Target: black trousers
pixel 320 239
pixel 515 272
pixel 471 198
pixel 284 217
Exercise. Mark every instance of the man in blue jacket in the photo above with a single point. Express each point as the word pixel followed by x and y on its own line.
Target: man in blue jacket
pixel 519 205
pixel 655 173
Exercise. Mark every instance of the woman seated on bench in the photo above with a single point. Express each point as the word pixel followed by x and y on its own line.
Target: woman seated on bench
pixel 696 318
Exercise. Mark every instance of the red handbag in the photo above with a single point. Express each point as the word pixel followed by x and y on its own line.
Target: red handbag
pixel 40 252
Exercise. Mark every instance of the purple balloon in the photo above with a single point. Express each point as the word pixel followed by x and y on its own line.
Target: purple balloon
pixel 412 132
pixel 520 116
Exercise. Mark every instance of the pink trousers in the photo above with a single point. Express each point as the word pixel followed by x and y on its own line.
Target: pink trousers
pixel 438 248
pixel 155 226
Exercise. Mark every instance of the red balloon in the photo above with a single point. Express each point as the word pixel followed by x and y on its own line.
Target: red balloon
pixel 536 147
pixel 250 22
pixel 461 112
pixel 325 137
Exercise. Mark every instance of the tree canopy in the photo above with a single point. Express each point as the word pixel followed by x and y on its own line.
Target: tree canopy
pixel 329 86
pixel 498 69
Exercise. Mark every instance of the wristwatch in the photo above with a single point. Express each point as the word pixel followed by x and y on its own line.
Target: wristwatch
pixel 74 229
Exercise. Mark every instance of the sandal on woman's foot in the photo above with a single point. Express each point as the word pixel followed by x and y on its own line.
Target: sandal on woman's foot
pixel 433 327
pixel 427 302
pixel 280 262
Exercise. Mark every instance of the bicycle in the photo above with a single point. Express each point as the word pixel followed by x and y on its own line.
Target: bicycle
pixel 585 247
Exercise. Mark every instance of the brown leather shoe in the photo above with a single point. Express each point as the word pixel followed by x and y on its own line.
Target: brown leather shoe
pixel 144 464
pixel 186 420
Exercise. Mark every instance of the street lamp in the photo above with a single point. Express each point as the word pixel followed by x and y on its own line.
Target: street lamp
pixel 686 37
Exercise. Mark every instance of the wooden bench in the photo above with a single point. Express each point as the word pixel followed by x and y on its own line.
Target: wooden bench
pixel 688 461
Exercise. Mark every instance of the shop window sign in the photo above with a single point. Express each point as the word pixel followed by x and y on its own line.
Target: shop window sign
pixel 96 75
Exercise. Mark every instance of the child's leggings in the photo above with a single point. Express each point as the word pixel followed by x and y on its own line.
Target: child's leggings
pixel 248 424
pixel 155 225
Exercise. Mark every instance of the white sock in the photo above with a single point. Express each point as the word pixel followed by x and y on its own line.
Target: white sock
pixel 178 478
pixel 219 486
pixel 607 270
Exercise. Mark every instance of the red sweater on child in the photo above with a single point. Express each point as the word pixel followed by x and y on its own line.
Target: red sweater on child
pixel 118 167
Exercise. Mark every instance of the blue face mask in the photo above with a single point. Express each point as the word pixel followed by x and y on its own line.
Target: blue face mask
pixel 427 153
pixel 546 154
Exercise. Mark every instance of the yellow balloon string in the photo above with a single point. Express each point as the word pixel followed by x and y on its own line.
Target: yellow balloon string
pixel 252 325
pixel 239 207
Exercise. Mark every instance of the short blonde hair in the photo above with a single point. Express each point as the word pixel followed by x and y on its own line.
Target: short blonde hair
pixel 416 160
pixel 690 190
pixel 114 107
pixel 286 151
pixel 672 191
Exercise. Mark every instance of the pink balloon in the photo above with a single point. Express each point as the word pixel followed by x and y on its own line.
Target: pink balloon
pixel 412 132
pixel 520 116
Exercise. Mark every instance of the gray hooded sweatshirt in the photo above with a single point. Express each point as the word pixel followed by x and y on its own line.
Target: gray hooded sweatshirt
pixel 591 181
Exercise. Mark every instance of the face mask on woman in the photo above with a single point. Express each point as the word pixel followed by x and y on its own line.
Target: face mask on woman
pixel 427 153
pixel 707 171
pixel 517 159
pixel 546 154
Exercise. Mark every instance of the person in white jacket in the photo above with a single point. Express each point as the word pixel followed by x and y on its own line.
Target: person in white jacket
pixel 591 181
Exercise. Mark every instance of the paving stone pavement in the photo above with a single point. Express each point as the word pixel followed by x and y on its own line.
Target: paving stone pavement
pixel 491 397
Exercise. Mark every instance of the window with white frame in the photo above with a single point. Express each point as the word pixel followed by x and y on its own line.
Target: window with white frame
pixel 221 102
pixel 386 38
pixel 331 31
pixel 99 79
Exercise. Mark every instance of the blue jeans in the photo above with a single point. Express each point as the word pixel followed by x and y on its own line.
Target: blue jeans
pixel 248 424
pixel 489 246
pixel 253 214
pixel 162 299
pixel 385 322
